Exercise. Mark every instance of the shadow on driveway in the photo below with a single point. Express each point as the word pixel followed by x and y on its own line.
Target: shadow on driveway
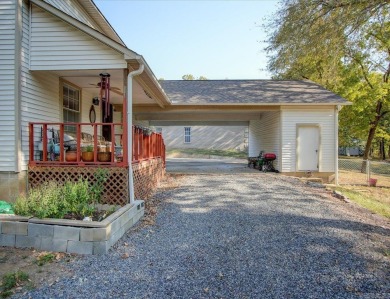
pixel 207 166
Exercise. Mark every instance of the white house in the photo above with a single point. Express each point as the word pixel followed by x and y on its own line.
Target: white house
pixel 52 55
pixel 55 60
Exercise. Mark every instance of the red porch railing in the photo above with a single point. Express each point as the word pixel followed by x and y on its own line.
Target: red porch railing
pixel 49 142
pixel 147 145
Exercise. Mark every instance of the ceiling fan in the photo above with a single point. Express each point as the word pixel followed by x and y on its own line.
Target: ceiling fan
pixel 114 89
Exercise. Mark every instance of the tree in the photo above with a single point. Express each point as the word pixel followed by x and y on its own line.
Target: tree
pixel 191 77
pixel 343 45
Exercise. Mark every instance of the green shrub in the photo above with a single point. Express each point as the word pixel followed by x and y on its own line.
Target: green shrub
pixel 11 280
pixel 52 200
pixel 42 202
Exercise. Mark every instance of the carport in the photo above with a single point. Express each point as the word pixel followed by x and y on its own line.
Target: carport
pixel 297 120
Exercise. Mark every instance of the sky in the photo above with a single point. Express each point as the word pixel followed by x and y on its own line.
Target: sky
pixel 217 39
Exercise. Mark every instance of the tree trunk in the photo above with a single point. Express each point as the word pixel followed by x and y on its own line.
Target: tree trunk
pixel 382 149
pixel 371 134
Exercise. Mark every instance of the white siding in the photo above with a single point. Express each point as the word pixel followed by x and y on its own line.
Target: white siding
pixel 325 119
pixel 86 102
pixel 73 9
pixel 56 45
pixel 264 135
pixel 205 137
pixel 7 85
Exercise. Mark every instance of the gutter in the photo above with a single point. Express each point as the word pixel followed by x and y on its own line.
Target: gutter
pixel 129 105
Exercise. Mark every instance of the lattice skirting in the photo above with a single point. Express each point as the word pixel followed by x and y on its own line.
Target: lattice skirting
pixel 147 175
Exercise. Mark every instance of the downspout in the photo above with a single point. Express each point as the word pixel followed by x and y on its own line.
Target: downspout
pixel 130 127
pixel 336 134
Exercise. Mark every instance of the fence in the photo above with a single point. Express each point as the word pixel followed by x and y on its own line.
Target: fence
pixel 356 171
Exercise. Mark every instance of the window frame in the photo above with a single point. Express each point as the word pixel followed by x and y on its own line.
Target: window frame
pixel 74 88
pixel 187 134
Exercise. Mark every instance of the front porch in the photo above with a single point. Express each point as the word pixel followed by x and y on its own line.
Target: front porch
pixel 50 144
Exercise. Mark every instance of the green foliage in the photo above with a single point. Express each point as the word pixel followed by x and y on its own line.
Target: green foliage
pixel 342 45
pixel 45 258
pixel 192 77
pixel 51 200
pixel 42 202
pixel 96 189
pixel 88 148
pixel 11 280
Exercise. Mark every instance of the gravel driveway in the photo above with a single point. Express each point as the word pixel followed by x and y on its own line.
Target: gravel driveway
pixel 241 236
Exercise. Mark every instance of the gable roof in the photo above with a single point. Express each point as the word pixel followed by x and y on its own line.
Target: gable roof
pixel 258 92
pixel 132 58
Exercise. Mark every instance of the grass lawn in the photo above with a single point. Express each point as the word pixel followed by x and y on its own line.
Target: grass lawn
pixel 375 199
pixel 188 152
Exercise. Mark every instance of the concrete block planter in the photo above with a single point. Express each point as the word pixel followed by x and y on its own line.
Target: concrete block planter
pixel 71 236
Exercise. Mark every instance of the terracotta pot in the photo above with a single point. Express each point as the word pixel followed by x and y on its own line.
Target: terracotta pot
pixel 372 182
pixel 87 156
pixel 104 157
pixel 71 156
pixel 102 148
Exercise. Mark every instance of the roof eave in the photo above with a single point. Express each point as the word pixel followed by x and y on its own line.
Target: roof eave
pixel 263 104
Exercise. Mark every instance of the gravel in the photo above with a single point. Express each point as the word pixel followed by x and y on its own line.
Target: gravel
pixel 240 236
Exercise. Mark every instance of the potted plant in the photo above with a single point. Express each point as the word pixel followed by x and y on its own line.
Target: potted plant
pixel 87 154
pixel 71 155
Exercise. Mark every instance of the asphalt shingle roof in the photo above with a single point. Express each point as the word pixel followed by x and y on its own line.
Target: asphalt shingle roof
pixel 248 92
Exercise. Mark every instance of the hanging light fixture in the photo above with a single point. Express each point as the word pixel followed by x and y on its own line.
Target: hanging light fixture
pixel 104 85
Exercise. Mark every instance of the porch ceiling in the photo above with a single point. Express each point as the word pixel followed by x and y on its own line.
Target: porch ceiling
pixel 88 79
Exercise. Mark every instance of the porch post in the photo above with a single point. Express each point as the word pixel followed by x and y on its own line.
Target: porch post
pixel 129 105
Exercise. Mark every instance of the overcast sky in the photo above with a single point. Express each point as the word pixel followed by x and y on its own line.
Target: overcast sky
pixel 215 39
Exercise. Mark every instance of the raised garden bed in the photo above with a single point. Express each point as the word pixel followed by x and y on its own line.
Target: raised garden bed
pixel 71 236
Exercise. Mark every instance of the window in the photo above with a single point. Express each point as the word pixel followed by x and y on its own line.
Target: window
pixel 70 106
pixel 187 134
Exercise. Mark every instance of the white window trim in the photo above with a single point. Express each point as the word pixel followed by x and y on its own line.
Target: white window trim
pixel 187 135
pixel 68 84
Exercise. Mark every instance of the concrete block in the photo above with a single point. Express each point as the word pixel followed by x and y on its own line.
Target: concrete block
pixel 129 224
pixel 115 225
pixel 7 240
pixel 125 218
pixel 67 233
pixel 101 247
pixel 80 247
pixel 40 230
pixel 14 228
pixel 101 234
pixel 50 244
pixel 116 236
pixel 132 212
pixel 138 217
pixel 28 242
pixel 86 234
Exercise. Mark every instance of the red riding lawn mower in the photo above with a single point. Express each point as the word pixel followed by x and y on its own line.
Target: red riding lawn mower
pixel 264 162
